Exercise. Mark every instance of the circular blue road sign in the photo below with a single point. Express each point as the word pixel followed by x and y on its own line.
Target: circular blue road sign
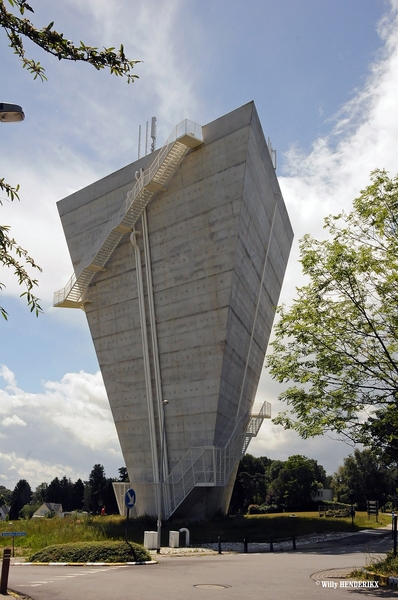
pixel 129 498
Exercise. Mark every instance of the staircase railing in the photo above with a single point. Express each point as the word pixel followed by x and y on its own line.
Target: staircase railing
pixel 209 466
pixel 186 134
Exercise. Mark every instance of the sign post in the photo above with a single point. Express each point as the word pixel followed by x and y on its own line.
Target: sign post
pixel 373 509
pixel 129 500
pixel 13 534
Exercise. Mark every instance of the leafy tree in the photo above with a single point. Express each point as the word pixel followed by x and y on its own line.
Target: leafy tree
pixel 123 474
pixel 54 491
pixel 39 496
pixel 97 488
pixel 296 482
pixel 10 256
pixel 109 498
pixel 77 495
pixel 5 495
pixel 20 496
pixel 273 469
pixel 17 29
pixel 250 484
pixel 29 510
pixel 56 44
pixel 363 477
pixel 338 343
pixel 66 493
pixel 264 481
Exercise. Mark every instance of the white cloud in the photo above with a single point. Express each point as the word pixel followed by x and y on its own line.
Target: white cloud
pixel 363 138
pixel 15 467
pixel 14 420
pixel 66 429
pixel 324 182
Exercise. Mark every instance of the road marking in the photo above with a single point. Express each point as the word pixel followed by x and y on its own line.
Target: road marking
pixel 58 578
pixel 374 531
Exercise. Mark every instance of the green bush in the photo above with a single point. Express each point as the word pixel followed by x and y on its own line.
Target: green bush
pixel 82 552
pixel 254 509
pixel 264 509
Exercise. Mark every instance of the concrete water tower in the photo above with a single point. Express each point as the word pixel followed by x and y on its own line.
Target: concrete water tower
pixel 178 263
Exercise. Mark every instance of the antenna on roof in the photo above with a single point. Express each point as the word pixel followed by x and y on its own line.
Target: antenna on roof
pixel 139 141
pixel 153 134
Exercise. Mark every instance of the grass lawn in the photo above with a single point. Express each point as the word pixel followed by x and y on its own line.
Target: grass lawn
pixel 255 528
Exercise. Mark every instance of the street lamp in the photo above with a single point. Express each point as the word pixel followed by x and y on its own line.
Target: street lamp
pixel 11 113
pixel 161 476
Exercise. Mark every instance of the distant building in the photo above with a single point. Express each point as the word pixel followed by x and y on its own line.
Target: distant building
pixel 323 495
pixel 4 512
pixel 48 507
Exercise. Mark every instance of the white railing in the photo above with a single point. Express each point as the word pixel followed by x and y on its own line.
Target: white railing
pixel 259 413
pixel 204 466
pixel 208 466
pixel 185 135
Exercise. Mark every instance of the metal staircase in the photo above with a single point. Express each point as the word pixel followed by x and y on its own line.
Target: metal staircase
pixel 185 135
pixel 256 420
pixel 210 466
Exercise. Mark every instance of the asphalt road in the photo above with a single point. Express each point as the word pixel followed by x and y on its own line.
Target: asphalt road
pixel 310 573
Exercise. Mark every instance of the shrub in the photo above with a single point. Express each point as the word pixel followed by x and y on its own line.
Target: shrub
pixel 270 508
pixel 254 509
pixel 264 509
pixel 82 552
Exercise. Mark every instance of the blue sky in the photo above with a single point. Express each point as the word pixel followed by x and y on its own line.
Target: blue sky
pixel 323 76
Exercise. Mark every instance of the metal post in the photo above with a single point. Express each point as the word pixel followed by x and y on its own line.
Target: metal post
pixel 127 521
pixel 245 545
pixel 161 477
pixel 395 535
pixel 271 544
pixel 294 542
pixel 219 545
pixel 5 568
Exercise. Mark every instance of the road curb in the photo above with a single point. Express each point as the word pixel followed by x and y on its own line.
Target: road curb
pixel 86 564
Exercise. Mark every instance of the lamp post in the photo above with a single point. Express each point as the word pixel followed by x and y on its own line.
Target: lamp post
pixel 161 476
pixel 11 113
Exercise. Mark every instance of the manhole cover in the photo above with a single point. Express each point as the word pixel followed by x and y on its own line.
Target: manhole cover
pixel 332 574
pixel 211 586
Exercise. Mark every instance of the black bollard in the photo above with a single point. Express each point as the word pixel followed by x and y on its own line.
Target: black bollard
pixel 219 545
pixel 271 544
pixel 5 568
pixel 395 535
pixel 245 545
pixel 294 542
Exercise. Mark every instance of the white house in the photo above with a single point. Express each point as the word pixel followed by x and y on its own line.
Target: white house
pixel 4 512
pixel 322 495
pixel 47 508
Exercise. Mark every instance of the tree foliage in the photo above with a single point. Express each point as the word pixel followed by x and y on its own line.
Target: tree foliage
pixel 56 44
pixel 91 495
pixel 17 258
pixel 20 496
pixel 276 484
pixel 18 28
pixel 297 481
pixel 363 477
pixel 338 343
